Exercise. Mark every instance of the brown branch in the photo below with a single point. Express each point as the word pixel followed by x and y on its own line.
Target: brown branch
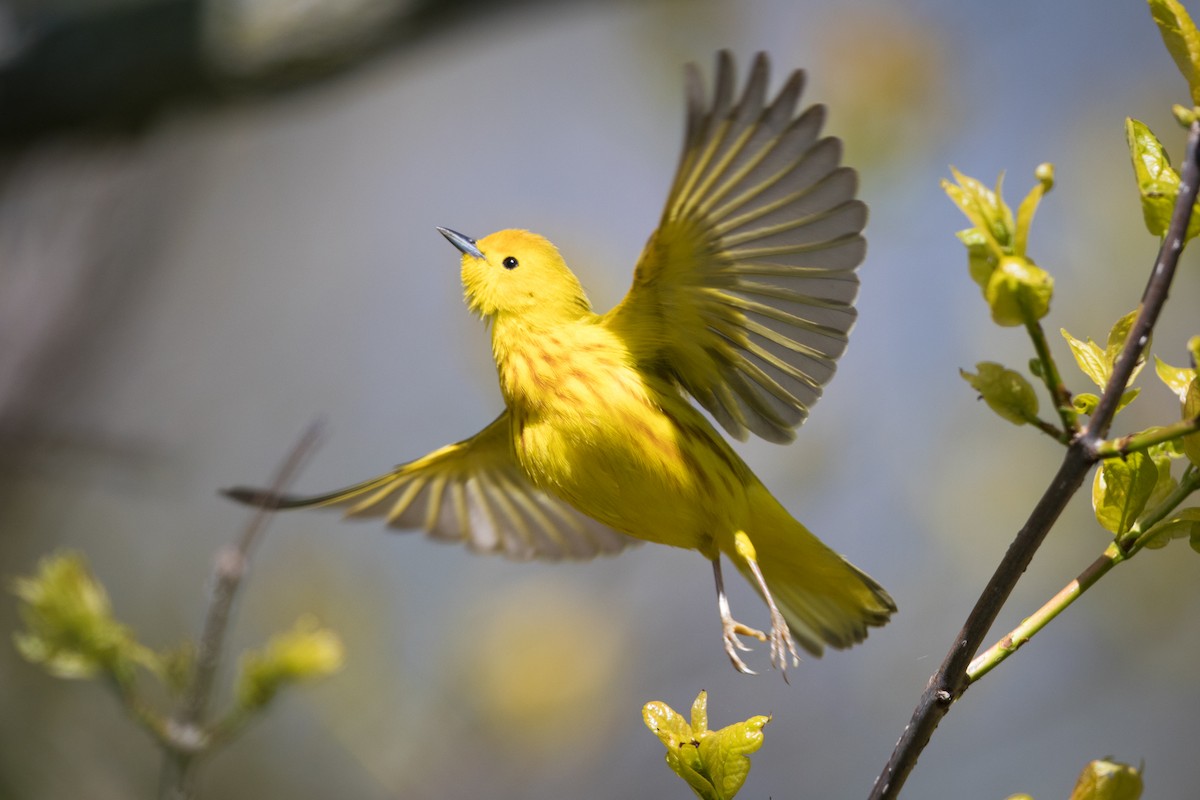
pixel 187 736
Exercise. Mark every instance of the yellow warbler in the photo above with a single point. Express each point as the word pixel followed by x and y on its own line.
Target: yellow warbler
pixel 742 298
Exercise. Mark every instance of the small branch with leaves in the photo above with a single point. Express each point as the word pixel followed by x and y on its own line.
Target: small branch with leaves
pixel 1135 493
pixel 71 632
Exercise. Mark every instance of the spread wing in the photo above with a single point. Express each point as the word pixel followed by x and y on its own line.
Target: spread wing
pixel 472 492
pixel 744 294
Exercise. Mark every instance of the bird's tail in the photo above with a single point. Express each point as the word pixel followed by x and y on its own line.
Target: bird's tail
pixel 825 599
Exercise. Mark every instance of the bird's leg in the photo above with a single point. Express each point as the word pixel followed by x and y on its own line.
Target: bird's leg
pixel 730 627
pixel 782 643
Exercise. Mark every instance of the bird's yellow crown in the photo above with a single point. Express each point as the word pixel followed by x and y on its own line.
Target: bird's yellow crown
pixel 521 273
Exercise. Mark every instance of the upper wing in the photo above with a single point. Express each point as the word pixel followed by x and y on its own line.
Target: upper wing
pixel 473 492
pixel 744 294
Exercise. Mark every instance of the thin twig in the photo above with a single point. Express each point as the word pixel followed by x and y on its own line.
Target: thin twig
pixel 1125 548
pixel 949 682
pixel 1123 446
pixel 997 653
pixel 1054 382
pixel 187 736
pixel 1051 431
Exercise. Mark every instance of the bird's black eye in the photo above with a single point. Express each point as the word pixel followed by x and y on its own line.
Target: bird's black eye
pixel 510 263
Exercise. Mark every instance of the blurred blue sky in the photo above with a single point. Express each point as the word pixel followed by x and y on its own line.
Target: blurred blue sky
pixel 285 265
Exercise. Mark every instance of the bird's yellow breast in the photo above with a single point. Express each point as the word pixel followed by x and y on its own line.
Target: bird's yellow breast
pixel 621 446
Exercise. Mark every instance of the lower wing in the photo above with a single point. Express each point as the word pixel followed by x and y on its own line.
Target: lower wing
pixel 472 492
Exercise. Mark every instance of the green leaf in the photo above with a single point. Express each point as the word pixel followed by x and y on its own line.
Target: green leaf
pixel 1128 398
pixel 1045 175
pixel 985 209
pixel 981 260
pixel 1157 182
pixel 1182 40
pixel 1161 455
pixel 1185 522
pixel 1018 292
pixel 304 653
pixel 1016 289
pixel 700 715
pixel 1191 410
pixel 1086 402
pixel 1090 358
pixel 727 753
pixel 1184 115
pixel 1177 379
pixel 683 747
pixel 1117 335
pixel 1121 489
pixel 1108 780
pixel 1097 364
pixel 1006 392
pixel 713 763
pixel 69 626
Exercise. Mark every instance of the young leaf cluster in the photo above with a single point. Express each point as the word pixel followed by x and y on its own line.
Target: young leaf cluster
pixel 71 632
pixel 1135 493
pixel 713 763
pixel 1140 492
pixel 1103 779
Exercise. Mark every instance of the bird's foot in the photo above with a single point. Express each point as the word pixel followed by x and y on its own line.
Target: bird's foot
pixel 783 643
pixel 731 630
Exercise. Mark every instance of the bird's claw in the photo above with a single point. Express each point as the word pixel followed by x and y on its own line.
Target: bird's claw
pixel 732 629
pixel 782 644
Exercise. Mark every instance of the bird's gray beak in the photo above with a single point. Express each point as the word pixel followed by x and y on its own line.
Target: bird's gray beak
pixel 464 243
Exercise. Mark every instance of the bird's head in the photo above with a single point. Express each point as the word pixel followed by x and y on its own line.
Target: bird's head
pixel 515 272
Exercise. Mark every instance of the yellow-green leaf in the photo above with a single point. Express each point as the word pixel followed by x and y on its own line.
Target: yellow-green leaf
pixel 1157 180
pixel 1085 402
pixel 1018 292
pixel 1006 392
pixel 981 260
pixel 1177 379
pixel 1090 358
pixel 1185 115
pixel 69 626
pixel 304 653
pixel 985 208
pixel 1108 780
pixel 1121 489
pixel 1045 176
pixel 668 726
pixel 700 715
pixel 1161 455
pixel 713 763
pixel 1117 336
pixel 683 747
pixel 1181 523
pixel 1128 397
pixel 1182 40
pixel 1097 364
pixel 727 753
pixel 1191 410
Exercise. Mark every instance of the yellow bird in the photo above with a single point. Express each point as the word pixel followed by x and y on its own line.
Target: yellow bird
pixel 743 299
